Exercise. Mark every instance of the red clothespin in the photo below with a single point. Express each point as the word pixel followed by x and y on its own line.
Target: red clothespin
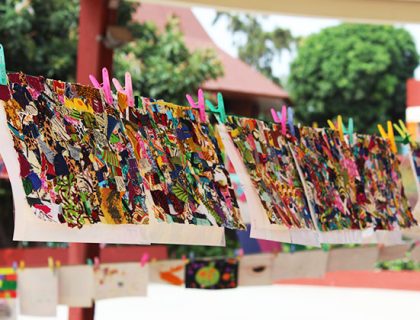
pixel 106 85
pixel 128 91
pixel 144 259
pixel 200 104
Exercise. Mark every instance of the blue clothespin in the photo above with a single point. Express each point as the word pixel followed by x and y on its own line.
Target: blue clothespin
pixel 349 129
pixel 290 115
pixel 191 256
pixel 220 110
pixel 3 74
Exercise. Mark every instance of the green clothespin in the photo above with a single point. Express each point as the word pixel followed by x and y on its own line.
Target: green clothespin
pixel 403 132
pixel 3 74
pixel 220 110
pixel 349 129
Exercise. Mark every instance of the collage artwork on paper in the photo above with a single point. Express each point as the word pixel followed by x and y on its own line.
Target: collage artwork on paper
pixel 83 161
pixel 211 274
pixel 381 193
pixel 272 170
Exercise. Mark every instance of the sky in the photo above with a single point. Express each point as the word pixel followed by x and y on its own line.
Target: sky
pixel 299 26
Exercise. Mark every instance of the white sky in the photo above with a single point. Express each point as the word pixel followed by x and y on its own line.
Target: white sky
pixel 299 26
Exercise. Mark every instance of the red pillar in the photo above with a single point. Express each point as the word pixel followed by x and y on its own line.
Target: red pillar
pixel 92 56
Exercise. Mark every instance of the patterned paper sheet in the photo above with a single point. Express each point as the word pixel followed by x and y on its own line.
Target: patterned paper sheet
pixel 381 193
pixel 272 170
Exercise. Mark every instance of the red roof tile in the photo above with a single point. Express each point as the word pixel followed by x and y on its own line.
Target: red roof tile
pixel 238 76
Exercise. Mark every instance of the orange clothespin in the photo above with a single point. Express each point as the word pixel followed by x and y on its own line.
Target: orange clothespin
pixel 106 85
pixel 388 135
pixel 200 104
pixel 128 91
pixel 21 264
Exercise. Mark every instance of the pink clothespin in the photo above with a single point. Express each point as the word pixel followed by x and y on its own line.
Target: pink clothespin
pixel 96 262
pixel 200 104
pixel 239 252
pixel 144 259
pixel 280 118
pixel 283 119
pixel 106 85
pixel 128 91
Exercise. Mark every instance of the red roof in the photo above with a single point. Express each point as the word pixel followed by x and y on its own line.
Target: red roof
pixel 238 76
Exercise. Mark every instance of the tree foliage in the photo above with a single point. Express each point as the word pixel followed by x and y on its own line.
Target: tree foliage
pixel 257 46
pixel 354 70
pixel 162 66
pixel 40 37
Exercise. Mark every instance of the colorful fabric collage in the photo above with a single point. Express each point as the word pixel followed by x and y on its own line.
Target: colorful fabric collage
pixel 381 193
pixel 272 171
pixel 190 183
pixel 212 274
pixel 83 161
pixel 8 283
pixel 73 153
pixel 330 175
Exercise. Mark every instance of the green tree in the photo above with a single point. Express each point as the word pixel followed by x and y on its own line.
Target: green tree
pixel 162 66
pixel 40 37
pixel 256 46
pixel 354 70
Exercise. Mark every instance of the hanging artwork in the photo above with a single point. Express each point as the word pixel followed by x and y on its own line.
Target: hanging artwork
pixel 76 286
pixel 115 280
pixel 381 193
pixel 168 272
pixel 330 174
pixel 38 292
pixel 212 274
pixel 73 153
pixel 198 188
pixel 272 171
pixel 256 270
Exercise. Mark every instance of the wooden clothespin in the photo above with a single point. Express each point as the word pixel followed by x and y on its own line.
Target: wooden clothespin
pixel 3 73
pixel 403 132
pixel 106 85
pixel 388 135
pixel 144 259
pixel 51 263
pixel 200 104
pixel 220 110
pixel 128 91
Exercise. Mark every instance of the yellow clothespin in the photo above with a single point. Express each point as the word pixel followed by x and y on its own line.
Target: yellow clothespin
pixel 51 263
pixel 339 126
pixel 388 135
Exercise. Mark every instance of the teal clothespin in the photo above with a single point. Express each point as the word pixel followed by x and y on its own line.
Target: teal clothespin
pixel 3 74
pixel 220 110
pixel 349 130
